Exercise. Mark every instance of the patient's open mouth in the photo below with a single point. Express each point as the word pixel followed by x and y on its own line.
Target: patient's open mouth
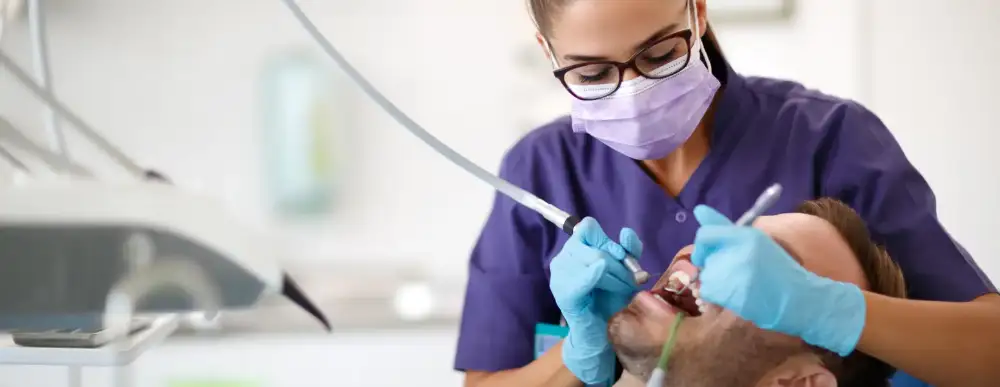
pixel 681 273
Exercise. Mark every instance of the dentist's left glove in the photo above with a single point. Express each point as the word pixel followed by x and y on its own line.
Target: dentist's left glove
pixel 746 271
pixel 590 283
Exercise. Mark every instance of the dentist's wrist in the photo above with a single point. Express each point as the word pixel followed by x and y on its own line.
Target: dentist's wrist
pixel 840 318
pixel 590 363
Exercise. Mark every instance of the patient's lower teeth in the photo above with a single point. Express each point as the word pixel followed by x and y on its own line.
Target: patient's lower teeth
pixel 660 298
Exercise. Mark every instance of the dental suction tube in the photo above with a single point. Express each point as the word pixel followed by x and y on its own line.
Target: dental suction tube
pixel 560 218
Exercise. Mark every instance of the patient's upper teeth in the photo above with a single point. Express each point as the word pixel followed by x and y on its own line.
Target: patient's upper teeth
pixel 681 277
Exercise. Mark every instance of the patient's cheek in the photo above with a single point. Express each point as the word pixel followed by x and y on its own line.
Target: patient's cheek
pixel 716 320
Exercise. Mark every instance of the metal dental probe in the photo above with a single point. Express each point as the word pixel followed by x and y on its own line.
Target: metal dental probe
pixel 763 203
pixel 551 213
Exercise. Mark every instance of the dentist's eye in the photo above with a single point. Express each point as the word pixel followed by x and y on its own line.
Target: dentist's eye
pixel 592 74
pixel 653 59
pixel 664 58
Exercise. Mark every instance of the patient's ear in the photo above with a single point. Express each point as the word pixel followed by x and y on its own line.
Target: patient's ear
pixel 799 373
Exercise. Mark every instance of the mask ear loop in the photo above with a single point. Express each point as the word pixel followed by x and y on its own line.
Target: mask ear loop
pixel 697 35
pixel 548 49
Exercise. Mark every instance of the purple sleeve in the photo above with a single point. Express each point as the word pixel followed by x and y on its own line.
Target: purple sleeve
pixel 865 167
pixel 507 292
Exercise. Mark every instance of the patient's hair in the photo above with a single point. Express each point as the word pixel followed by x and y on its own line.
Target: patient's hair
pixel 884 277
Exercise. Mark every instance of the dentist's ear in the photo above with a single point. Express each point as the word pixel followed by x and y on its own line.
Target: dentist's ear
pixel 702 21
pixel 544 46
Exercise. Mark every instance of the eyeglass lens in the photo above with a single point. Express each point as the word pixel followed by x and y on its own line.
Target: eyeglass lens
pixel 652 62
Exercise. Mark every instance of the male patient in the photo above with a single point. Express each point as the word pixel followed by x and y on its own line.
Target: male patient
pixel 718 349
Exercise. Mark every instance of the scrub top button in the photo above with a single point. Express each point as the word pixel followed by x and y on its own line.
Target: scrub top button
pixel 681 217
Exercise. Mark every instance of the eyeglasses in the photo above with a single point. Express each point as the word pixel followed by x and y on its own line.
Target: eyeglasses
pixel 663 58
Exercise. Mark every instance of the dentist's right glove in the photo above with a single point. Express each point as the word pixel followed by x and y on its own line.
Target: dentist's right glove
pixel 590 283
pixel 746 271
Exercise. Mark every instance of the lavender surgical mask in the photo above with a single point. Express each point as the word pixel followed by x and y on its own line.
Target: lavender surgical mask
pixel 647 119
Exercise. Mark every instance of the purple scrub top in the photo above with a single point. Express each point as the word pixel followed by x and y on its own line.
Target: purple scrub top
pixel 765 131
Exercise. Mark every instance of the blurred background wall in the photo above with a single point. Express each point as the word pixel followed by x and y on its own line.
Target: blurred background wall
pixel 177 85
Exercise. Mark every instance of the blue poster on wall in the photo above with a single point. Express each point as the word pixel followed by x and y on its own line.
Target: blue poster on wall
pixel 305 111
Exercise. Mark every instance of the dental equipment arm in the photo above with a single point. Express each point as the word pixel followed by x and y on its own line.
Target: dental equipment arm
pixel 551 213
pixel 40 59
pixel 13 160
pixel 66 236
pixel 57 163
pixel 70 240
pixel 88 131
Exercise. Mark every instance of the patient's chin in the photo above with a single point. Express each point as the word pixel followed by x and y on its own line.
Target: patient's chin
pixel 637 353
pixel 641 367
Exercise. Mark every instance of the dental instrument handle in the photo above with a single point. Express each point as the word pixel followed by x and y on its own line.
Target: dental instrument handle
pixel 89 132
pixel 641 276
pixel 551 213
pixel 761 205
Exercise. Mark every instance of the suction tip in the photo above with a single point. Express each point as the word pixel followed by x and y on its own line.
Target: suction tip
pixel 656 379
pixel 292 290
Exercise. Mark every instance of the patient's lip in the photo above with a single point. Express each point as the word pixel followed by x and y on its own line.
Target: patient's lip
pixel 681 262
pixel 648 305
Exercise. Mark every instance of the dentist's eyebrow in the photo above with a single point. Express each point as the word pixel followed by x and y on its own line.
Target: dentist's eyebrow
pixel 652 38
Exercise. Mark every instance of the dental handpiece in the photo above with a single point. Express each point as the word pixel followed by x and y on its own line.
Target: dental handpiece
pixel 553 214
pixel 763 203
pixel 641 276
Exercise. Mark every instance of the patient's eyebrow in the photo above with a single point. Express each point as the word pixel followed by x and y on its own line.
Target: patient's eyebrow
pixel 789 251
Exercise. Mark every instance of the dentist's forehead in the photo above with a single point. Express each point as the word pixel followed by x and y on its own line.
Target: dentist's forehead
pixel 606 28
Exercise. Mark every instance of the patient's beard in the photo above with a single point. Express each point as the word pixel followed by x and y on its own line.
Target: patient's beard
pixel 635 351
pixel 737 356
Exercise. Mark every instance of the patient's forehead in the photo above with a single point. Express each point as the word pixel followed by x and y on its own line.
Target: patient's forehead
pixel 817 244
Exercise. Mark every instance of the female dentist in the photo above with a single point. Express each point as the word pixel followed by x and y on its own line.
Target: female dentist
pixel 661 123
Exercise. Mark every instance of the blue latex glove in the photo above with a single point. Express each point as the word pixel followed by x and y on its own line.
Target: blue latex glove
pixel 590 283
pixel 744 270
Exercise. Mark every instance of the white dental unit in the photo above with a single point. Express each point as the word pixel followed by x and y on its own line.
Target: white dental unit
pixel 92 273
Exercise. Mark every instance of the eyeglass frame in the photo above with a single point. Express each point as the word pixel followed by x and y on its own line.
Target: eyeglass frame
pixel 560 73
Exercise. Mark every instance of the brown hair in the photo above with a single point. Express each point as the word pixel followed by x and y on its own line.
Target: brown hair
pixel 543 12
pixel 884 277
